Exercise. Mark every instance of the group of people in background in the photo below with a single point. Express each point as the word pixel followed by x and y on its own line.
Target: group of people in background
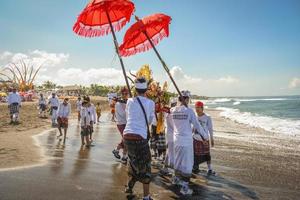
pixel 183 146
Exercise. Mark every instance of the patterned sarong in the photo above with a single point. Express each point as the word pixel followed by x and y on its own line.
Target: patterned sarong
pixel 62 122
pixel 13 108
pixel 139 155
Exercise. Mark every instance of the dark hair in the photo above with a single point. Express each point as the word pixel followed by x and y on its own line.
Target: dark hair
pixel 182 98
pixel 141 91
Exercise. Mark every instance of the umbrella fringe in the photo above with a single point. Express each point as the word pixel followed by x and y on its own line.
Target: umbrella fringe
pixel 145 46
pixel 95 31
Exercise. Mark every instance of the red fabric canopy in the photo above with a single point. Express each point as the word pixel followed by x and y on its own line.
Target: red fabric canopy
pixel 93 20
pixel 156 26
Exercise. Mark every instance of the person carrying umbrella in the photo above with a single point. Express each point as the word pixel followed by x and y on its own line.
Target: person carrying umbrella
pixel 140 112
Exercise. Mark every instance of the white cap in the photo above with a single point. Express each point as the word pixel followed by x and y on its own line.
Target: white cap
pixel 141 86
pixel 186 93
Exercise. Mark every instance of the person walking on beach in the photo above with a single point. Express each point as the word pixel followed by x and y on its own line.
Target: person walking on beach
pixel 140 111
pixel 54 103
pixel 183 117
pixel 169 161
pixel 201 145
pixel 42 106
pixel 85 123
pixel 78 107
pixel 64 112
pixel 92 111
pixel 14 104
pixel 121 123
pixel 98 112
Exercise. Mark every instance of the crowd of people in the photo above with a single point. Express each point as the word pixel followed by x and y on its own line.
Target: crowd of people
pixel 180 147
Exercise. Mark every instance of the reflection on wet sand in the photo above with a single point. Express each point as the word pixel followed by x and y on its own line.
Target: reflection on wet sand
pixel 76 172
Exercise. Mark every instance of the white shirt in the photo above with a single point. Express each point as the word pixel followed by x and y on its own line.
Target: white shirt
pixel 206 123
pixel 121 113
pixel 85 117
pixel 183 118
pixel 170 128
pixel 64 110
pixel 136 123
pixel 54 102
pixel 14 98
pixel 92 110
pixel 42 101
pixel 78 105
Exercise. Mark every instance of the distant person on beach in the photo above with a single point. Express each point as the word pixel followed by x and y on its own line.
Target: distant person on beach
pixel 113 109
pixel 201 145
pixel 42 106
pixel 14 104
pixel 183 118
pixel 78 107
pixel 64 111
pixel 121 123
pixel 54 103
pixel 85 123
pixel 140 112
pixel 92 111
pixel 98 112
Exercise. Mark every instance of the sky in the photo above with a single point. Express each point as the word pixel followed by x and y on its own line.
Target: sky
pixel 215 47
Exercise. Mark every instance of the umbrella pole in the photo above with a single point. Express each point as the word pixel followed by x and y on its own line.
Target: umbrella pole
pixel 164 64
pixel 117 50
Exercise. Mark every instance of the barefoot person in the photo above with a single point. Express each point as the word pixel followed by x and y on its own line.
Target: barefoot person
pixel 201 146
pixel 14 104
pixel 92 112
pixel 54 103
pixel 42 106
pixel 78 107
pixel 85 123
pixel 98 112
pixel 183 117
pixel 140 111
pixel 121 123
pixel 64 112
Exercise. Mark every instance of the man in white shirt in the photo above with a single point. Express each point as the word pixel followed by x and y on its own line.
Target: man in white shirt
pixel 42 106
pixel 140 112
pixel 54 103
pixel 64 110
pixel 183 118
pixel 14 104
pixel 78 107
pixel 121 123
pixel 91 109
pixel 202 146
pixel 85 122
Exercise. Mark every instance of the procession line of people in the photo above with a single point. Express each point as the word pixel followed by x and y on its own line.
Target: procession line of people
pixel 189 135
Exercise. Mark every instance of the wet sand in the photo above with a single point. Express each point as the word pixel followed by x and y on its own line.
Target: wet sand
pixel 251 164
pixel 17 148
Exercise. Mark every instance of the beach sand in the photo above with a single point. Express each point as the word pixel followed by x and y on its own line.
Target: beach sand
pixel 17 147
pixel 250 163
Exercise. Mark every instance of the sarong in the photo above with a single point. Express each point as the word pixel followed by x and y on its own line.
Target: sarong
pixel 14 108
pixel 139 167
pixel 85 131
pixel 62 122
pixel 184 161
pixel 201 151
pixel 169 162
pixel 42 107
pixel 158 141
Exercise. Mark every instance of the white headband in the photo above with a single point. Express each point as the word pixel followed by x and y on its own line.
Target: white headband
pixel 141 85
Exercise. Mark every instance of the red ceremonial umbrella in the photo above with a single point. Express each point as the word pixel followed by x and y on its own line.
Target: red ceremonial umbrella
pixel 100 17
pixel 144 35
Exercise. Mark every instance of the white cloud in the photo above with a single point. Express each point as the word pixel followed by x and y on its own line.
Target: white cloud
pixel 203 86
pixel 294 83
pixel 5 54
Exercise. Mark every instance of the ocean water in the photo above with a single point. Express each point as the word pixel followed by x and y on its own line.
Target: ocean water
pixel 275 114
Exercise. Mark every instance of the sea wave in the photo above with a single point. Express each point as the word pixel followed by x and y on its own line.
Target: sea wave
pixel 290 127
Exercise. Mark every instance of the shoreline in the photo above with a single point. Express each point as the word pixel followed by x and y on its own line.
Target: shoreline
pixel 264 162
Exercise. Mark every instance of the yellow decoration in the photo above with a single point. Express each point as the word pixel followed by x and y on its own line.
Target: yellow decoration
pixel 145 72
